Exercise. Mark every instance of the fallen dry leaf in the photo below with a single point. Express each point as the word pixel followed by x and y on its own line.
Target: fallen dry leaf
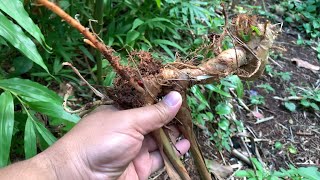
pixel 305 64
pixel 217 169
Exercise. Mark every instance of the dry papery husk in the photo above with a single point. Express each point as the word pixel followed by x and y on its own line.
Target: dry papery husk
pixel 246 59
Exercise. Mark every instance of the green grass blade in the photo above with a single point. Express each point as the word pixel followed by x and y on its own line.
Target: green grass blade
pixel 16 37
pixel 169 43
pixel 6 126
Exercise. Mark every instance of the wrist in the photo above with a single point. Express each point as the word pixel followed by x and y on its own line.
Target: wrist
pixel 59 163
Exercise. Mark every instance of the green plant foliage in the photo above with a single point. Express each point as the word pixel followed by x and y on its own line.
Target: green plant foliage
pixel 304 13
pixel 203 112
pixel 6 126
pixel 30 139
pixel 308 98
pixel 257 99
pixel 261 173
pixel 266 87
pixel 166 27
pixel 33 97
pixel 15 9
pixel 290 106
pixel 16 37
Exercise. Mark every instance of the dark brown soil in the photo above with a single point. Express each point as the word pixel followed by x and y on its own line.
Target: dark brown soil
pixel 299 129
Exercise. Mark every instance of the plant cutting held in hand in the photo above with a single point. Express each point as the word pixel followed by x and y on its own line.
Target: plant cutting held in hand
pixel 147 81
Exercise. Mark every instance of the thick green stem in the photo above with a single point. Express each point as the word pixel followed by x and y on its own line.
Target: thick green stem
pixel 98 15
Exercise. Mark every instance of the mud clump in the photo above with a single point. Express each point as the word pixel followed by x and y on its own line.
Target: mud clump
pixel 126 96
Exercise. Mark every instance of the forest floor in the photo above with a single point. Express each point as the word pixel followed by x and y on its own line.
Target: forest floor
pixel 297 131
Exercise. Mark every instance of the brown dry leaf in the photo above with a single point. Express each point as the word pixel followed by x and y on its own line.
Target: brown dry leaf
pixel 305 64
pixel 217 169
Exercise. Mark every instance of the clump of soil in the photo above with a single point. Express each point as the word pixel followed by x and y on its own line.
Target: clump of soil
pixel 126 96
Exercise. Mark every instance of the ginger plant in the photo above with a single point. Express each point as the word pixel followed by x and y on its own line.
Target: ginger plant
pixel 148 81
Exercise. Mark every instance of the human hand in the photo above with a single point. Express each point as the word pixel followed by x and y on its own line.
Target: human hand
pixel 112 144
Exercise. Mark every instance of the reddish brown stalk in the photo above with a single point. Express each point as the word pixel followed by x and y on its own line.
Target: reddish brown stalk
pixel 106 51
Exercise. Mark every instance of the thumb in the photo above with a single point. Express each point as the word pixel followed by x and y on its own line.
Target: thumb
pixel 150 118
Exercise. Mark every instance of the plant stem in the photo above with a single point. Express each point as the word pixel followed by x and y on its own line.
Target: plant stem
pixel 184 115
pixel 98 15
pixel 173 164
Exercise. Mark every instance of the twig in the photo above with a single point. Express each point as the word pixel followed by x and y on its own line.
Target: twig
pixel 239 100
pixel 242 157
pixel 272 60
pixel 264 120
pixel 297 98
pixel 95 91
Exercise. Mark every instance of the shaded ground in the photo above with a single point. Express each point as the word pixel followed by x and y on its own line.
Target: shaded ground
pixel 299 129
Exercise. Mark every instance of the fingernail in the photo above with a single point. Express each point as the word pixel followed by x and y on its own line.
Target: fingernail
pixel 172 98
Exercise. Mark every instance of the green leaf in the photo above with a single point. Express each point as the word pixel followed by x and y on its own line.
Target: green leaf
pixel 53 110
pixel 132 36
pixel 314 106
pixel 14 9
pixel 30 89
pixel 242 173
pixel 307 27
pixel 198 94
pixel 223 109
pixel 305 103
pixel 257 164
pixel 21 65
pixel 290 106
pixel 169 43
pixel 30 139
pixel 158 3
pixel 224 124
pixel 16 37
pixel 217 90
pixel 234 82
pixel 292 149
pixel 167 50
pixel 109 78
pixel 45 133
pixel 6 126
pixel 136 23
pixel 256 29
pixel 310 173
pixel 278 145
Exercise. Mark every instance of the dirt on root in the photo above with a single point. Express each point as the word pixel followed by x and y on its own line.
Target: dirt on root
pixel 299 129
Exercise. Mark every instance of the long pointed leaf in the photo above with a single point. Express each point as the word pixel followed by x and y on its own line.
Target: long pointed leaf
pixel 6 126
pixel 30 139
pixel 14 9
pixel 45 133
pixel 16 37
pixel 27 88
pixel 53 110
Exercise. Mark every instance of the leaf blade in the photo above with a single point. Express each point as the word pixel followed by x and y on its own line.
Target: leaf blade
pixel 45 133
pixel 6 126
pixel 16 11
pixel 30 139
pixel 14 34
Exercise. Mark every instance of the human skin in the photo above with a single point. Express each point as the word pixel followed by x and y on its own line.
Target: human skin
pixel 107 144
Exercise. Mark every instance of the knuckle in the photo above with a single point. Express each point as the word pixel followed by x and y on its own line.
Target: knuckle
pixel 162 113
